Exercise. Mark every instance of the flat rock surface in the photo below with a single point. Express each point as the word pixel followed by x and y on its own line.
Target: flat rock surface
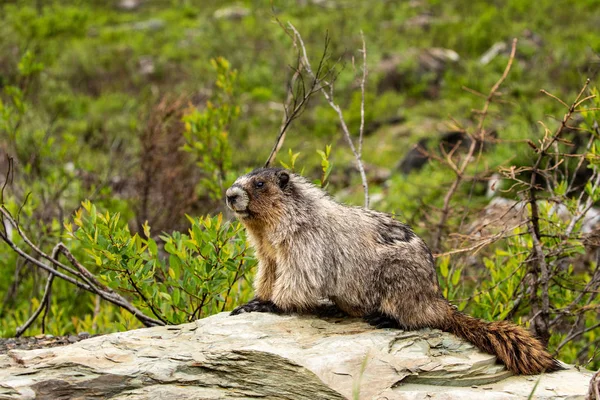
pixel 273 357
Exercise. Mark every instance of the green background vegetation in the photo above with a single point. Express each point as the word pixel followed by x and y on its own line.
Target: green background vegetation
pixel 150 113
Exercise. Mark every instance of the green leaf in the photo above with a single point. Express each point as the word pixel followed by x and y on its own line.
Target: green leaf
pixel 152 247
pixel 165 296
pixel 174 263
pixel 196 233
pixel 456 276
pixel 444 266
pixel 170 248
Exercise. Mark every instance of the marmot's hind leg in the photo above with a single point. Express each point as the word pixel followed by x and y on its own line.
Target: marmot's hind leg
pixel 257 305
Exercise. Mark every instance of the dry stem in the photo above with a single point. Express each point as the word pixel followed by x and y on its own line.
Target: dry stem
pixel 330 100
pixel 460 170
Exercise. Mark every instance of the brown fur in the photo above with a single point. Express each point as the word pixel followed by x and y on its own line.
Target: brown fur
pixel 311 248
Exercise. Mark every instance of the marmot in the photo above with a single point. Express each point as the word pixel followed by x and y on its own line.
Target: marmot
pixel 309 248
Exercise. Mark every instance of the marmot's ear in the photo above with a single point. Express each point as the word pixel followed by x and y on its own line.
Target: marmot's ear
pixel 283 179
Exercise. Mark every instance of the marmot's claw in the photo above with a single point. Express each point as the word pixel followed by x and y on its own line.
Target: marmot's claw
pixel 238 310
pixel 256 305
pixel 381 321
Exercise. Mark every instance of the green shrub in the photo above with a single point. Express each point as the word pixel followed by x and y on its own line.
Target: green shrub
pixel 180 278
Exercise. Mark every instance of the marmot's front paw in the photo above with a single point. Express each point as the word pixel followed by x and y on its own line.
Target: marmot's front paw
pixel 256 305
pixel 381 321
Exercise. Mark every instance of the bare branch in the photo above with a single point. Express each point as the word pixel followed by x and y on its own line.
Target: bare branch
pixel 44 303
pixel 329 98
pixel 288 117
pixel 13 222
pixel 90 283
pixel 576 334
pixel 298 96
pixel 539 269
pixel 472 148
pixel 8 178
pixel 495 88
pixel 555 98
pixel 484 242
pixel 362 98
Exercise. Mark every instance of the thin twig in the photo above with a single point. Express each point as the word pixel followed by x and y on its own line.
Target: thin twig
pixel 8 178
pixel 44 303
pixel 362 96
pixel 297 93
pixel 474 249
pixel 580 163
pixel 144 299
pixel 555 98
pixel 285 121
pixel 13 222
pixel 539 269
pixel 575 335
pixel 329 98
pixel 459 172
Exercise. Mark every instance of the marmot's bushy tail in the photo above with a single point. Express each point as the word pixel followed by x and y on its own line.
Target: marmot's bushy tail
pixel 518 349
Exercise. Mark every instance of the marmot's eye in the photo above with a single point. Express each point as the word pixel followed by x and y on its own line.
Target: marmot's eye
pixel 259 184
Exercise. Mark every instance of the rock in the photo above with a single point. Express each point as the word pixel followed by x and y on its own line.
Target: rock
pixel 373 126
pixel 492 52
pixel 129 5
pixel 415 66
pixel 503 214
pixel 344 178
pixel 436 57
pixel 232 13
pixel 415 159
pixel 273 357
pixel 146 65
pixel 151 25
pixel 450 142
pixel 529 43
pixel 38 342
pixel 424 20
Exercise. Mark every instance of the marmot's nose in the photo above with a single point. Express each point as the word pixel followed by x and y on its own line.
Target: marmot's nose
pixel 232 198
pixel 232 194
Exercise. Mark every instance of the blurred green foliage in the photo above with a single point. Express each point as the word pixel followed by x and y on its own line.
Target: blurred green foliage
pixel 206 132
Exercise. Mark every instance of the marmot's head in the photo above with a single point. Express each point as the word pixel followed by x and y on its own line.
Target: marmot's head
pixel 259 195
